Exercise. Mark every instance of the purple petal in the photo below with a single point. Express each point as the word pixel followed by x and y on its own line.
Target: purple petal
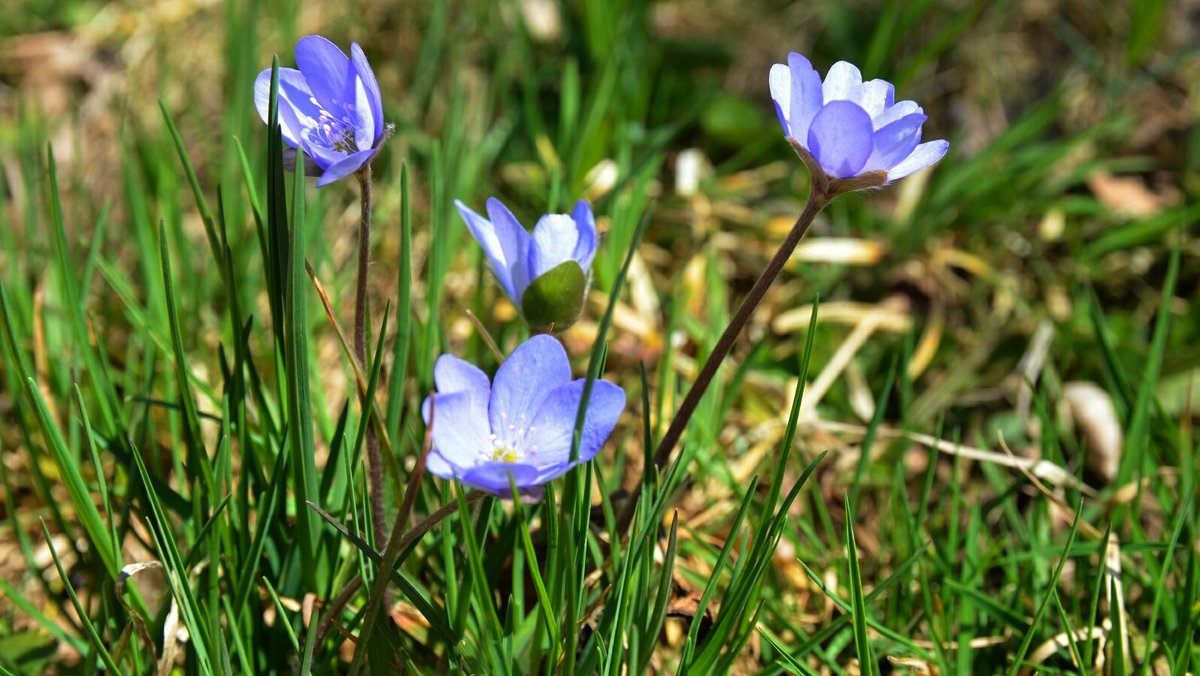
pixel 437 465
pixel 522 383
pixel 843 82
pixel 515 243
pixel 841 138
pixel 555 238
pixel 455 376
pixel 460 431
pixel 585 250
pixel 780 82
pixel 893 113
pixel 550 437
pixel 806 96
pixel 877 96
pixel 294 95
pixel 552 471
pixel 451 374
pixel 923 156
pixel 493 477
pixel 895 142
pixel 329 73
pixel 289 119
pixel 344 167
pixel 363 122
pixel 371 85
pixel 485 232
pixel 262 95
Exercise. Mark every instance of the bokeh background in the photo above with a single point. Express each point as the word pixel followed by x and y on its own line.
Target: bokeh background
pixel 1018 284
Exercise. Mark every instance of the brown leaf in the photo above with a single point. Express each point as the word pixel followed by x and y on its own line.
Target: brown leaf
pixel 1093 414
pixel 1128 195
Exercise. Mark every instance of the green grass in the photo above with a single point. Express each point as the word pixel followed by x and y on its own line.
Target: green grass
pixel 174 389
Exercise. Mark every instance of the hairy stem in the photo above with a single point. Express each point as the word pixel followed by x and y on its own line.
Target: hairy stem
pixel 374 463
pixel 817 199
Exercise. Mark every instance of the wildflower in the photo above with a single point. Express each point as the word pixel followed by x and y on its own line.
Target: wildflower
pixel 848 128
pixel 330 109
pixel 545 274
pixel 521 425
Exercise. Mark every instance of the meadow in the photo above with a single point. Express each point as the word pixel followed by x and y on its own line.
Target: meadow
pixel 954 437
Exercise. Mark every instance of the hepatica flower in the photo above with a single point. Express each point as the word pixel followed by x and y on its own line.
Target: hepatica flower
pixel 330 108
pixel 848 127
pixel 545 274
pixel 521 425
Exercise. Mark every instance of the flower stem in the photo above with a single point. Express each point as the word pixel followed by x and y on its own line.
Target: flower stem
pixel 817 199
pixel 374 464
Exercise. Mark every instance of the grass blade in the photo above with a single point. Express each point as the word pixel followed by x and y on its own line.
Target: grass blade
pixel 858 603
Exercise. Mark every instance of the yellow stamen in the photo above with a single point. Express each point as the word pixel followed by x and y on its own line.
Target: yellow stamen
pixel 504 454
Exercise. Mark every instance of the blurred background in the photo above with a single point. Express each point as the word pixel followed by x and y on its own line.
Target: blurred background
pixel 1018 282
pixel 1072 126
pixel 1074 154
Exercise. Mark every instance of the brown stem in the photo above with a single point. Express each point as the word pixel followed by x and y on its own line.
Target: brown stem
pixel 335 608
pixel 817 199
pixel 374 463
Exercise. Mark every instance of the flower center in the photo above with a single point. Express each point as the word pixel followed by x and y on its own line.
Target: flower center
pixel 333 132
pixel 509 441
pixel 504 453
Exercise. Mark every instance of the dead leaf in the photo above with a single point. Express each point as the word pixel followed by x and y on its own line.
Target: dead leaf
pixel 840 250
pixel 1093 414
pixel 1128 195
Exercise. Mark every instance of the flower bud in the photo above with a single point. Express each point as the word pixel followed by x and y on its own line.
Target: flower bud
pixel 544 273
pixel 553 301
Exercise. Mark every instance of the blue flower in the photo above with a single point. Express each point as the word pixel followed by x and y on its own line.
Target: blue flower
pixel 521 425
pixel 545 274
pixel 330 109
pixel 850 127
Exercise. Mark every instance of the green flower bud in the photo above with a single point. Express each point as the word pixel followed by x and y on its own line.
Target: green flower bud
pixel 553 301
